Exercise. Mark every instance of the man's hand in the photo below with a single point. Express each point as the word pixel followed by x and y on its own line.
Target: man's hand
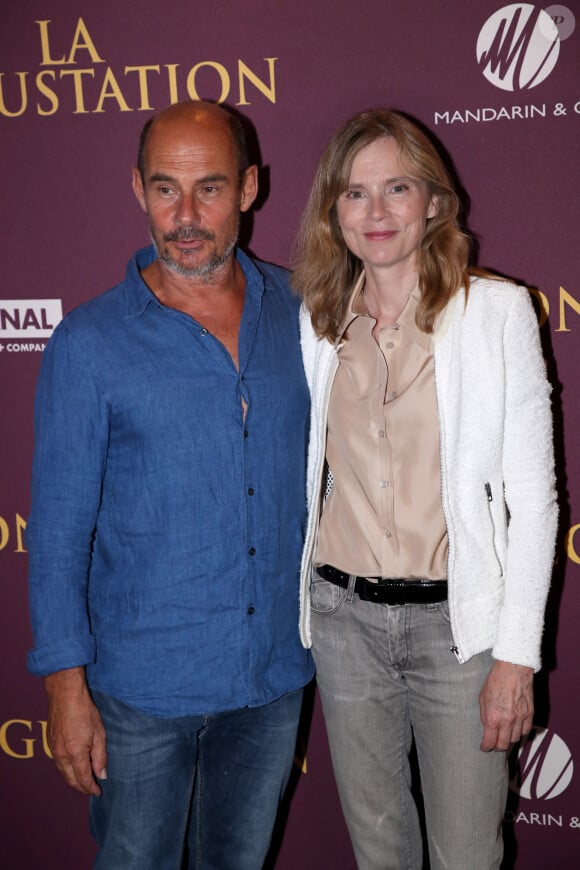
pixel 76 736
pixel 506 705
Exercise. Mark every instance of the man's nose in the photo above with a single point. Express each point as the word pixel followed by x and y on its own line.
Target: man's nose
pixel 187 210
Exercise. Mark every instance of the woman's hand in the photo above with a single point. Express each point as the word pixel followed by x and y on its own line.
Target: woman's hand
pixel 506 705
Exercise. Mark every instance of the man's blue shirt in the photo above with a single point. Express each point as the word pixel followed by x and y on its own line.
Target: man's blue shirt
pixel 166 531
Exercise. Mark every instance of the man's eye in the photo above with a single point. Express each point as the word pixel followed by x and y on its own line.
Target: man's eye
pixel 399 188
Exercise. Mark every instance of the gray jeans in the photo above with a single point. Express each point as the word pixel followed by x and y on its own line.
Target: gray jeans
pixel 386 674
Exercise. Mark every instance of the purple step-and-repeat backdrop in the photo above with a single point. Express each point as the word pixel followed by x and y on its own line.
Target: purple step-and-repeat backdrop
pixel 498 83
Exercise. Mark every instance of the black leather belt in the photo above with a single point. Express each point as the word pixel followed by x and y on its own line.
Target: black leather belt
pixel 388 591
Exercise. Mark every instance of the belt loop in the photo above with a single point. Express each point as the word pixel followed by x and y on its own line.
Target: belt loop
pixel 351 586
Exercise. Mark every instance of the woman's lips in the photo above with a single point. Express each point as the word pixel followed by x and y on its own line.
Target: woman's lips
pixel 380 236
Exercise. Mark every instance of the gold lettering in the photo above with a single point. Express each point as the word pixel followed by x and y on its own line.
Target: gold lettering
pixel 23 97
pixel 77 75
pixel 81 33
pixel 244 72
pixel 569 544
pixel 300 759
pixel 115 93
pixel 47 92
pixel 544 304
pixel 88 44
pixel 28 742
pixel 222 72
pixel 45 46
pixel 43 730
pixel 4 533
pixel 171 69
pixel 49 99
pixel 143 89
pixel 566 299
pixel 20 526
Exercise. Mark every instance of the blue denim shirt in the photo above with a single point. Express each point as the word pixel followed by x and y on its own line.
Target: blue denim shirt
pixel 165 532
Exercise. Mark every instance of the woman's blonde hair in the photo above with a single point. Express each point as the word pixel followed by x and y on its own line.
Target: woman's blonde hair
pixel 325 269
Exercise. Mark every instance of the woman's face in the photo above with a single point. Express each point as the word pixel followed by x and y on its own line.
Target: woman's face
pixel 383 212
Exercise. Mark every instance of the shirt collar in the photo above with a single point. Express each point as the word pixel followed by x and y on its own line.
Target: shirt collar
pixel 139 296
pixel 405 321
pixel 355 307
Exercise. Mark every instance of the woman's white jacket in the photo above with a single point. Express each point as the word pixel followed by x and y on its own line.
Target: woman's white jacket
pixel 497 469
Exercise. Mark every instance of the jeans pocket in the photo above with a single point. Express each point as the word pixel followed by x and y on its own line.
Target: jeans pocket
pixel 325 597
pixel 442 609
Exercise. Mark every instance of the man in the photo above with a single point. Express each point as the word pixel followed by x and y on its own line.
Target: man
pixel 167 517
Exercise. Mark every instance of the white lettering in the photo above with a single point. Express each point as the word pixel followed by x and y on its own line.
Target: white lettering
pixel 544 820
pixel 23 347
pixel 487 113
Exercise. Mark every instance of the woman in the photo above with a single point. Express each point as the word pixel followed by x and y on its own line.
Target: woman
pixel 430 427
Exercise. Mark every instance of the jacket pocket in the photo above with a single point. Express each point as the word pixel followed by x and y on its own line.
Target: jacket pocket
pixel 489 496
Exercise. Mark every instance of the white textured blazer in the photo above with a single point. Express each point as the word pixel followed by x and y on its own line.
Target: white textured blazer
pixel 497 468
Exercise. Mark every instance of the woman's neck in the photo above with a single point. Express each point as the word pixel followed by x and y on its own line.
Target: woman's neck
pixel 386 293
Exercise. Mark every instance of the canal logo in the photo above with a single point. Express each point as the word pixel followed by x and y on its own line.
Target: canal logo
pixel 29 318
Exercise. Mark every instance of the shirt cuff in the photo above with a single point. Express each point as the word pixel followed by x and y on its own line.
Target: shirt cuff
pixel 70 653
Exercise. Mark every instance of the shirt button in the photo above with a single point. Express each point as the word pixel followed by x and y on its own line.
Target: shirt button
pixel 381 433
pixel 245 433
pixel 394 395
pixel 390 345
pixel 388 534
pixel 251 610
pixel 250 490
pixel 203 332
pixel 383 484
pixel 252 551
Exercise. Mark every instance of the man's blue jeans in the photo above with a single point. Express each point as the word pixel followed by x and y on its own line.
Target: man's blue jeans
pixel 386 675
pixel 195 791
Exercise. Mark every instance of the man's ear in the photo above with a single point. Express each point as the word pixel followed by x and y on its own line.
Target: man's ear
pixel 137 183
pixel 249 188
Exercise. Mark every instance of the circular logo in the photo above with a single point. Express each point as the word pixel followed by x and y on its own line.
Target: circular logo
pixel 564 20
pixel 542 767
pixel 517 47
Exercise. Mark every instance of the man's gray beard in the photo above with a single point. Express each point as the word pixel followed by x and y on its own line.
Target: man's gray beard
pixel 205 270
